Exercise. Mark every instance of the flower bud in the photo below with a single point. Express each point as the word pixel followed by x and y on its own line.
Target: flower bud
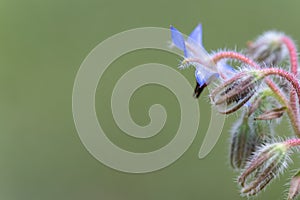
pixel 235 92
pixel 271 114
pixel 294 186
pixel 268 48
pixel 243 143
pixel 267 163
pixel 246 136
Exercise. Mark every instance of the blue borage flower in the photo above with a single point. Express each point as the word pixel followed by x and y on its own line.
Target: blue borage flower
pixel 193 50
pixel 259 159
pixel 196 55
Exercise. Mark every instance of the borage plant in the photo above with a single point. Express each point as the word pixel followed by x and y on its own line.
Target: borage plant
pixel 260 83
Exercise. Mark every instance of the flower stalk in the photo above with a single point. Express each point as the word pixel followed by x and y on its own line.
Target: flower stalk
pixel 247 82
pixel 294 117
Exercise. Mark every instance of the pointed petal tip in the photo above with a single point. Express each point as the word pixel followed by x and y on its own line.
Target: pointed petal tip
pixel 199 25
pixel 196 36
pixel 178 39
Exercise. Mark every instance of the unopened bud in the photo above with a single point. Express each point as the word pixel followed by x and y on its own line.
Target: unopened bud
pixel 294 186
pixel 243 142
pixel 246 136
pixel 267 163
pixel 268 48
pixel 271 114
pixel 234 93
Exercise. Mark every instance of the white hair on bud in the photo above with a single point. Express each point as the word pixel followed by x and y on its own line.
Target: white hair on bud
pixel 268 48
pixel 279 166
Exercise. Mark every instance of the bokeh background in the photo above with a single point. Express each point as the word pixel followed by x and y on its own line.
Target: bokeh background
pixel 42 46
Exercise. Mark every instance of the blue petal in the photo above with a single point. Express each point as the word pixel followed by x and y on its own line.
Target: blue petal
pixel 229 68
pixel 248 104
pixel 204 77
pixel 201 81
pixel 178 39
pixel 196 36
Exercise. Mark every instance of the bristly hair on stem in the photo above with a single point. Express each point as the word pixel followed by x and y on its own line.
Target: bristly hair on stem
pixel 261 99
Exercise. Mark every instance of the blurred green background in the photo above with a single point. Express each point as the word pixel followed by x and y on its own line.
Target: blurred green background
pixel 42 46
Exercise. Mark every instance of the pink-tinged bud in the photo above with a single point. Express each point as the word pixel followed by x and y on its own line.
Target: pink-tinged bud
pixel 267 163
pixel 294 186
pixel 268 48
pixel 243 143
pixel 246 136
pixel 271 114
pixel 235 92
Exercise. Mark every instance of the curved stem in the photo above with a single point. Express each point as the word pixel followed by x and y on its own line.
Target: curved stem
pixel 280 96
pixel 294 67
pixel 234 55
pixel 292 142
pixel 288 76
pixel 294 82
pixel 292 53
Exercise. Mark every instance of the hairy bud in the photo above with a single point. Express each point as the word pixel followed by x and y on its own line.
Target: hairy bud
pixel 271 114
pixel 246 136
pixel 268 48
pixel 235 92
pixel 294 186
pixel 243 142
pixel 267 163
